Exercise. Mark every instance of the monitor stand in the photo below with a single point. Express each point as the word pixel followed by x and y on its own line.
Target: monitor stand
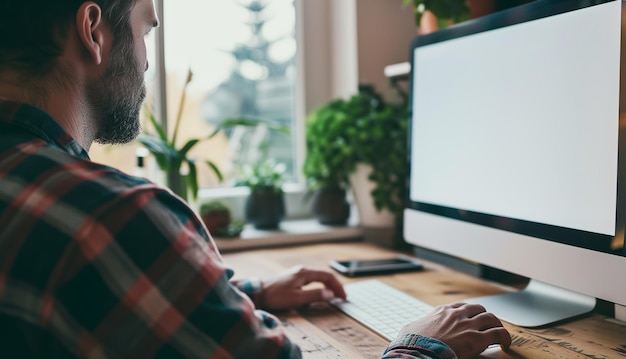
pixel 536 305
pixel 620 313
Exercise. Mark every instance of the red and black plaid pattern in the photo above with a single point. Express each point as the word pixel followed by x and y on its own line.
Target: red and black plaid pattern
pixel 98 264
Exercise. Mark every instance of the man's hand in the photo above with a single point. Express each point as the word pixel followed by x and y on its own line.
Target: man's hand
pixel 466 328
pixel 285 291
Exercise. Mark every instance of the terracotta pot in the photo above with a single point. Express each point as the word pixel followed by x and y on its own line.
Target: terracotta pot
pixel 214 220
pixel 428 23
pixel 480 8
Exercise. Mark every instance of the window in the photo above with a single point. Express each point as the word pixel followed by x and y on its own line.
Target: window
pixel 242 56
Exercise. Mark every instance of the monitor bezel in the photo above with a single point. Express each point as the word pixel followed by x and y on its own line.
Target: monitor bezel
pixel 574 237
pixel 577 268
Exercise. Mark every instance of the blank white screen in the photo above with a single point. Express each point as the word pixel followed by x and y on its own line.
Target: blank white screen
pixel 522 122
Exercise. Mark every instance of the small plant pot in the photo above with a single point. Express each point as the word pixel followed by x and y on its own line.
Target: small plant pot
pixel 265 210
pixel 330 206
pixel 216 220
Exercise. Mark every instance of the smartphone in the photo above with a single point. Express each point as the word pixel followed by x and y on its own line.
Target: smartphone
pixel 353 268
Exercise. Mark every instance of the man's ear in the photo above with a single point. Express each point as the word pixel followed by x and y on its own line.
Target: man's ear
pixel 91 30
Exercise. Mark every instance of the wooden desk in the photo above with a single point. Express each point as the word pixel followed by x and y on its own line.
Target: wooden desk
pixel 323 332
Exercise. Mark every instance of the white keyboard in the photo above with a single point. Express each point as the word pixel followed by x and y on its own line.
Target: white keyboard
pixel 381 307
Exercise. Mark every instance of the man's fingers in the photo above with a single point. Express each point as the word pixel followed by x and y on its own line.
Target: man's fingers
pixel 315 295
pixel 486 321
pixel 490 325
pixel 455 305
pixel 328 279
pixel 498 335
pixel 472 310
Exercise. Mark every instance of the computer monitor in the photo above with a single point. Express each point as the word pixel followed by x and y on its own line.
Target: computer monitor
pixel 517 152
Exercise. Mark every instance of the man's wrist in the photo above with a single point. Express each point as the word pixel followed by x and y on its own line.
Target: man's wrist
pixel 253 288
pixel 432 347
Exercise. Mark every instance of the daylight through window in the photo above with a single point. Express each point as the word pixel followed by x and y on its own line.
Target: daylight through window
pixel 242 56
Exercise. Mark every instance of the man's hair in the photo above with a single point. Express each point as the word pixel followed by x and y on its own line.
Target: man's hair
pixel 33 32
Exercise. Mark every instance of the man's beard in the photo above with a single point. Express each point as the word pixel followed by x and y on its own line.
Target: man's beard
pixel 117 98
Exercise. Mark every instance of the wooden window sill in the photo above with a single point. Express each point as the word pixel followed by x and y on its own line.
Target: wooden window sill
pixel 291 232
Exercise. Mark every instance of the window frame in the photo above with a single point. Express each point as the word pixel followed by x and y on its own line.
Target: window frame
pixel 326 68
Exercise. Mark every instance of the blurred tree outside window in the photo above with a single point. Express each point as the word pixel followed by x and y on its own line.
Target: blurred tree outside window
pixel 242 55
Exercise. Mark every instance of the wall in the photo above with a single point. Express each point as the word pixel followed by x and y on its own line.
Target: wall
pixel 385 29
pixel 348 42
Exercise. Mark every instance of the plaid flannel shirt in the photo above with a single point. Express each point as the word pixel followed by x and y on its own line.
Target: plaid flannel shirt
pixel 95 263
pixel 98 264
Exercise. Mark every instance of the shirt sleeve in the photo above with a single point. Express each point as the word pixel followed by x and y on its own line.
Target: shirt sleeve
pixel 409 346
pixel 145 280
pixel 253 288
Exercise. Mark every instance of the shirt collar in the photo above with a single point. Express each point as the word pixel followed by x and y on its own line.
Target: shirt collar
pixel 40 124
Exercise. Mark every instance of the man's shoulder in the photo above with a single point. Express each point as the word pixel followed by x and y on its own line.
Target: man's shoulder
pixel 49 196
pixel 35 171
pixel 38 162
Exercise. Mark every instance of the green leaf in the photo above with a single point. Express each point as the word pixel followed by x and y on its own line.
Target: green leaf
pixel 248 122
pixel 192 178
pixel 157 126
pixel 216 170
pixel 161 151
pixel 188 146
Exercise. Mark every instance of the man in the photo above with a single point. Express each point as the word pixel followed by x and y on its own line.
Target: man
pixel 98 264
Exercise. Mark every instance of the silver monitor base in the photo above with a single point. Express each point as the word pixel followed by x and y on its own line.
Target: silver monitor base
pixel 620 313
pixel 536 305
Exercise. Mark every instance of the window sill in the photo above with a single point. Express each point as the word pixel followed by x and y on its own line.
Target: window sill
pixel 292 232
pixel 297 203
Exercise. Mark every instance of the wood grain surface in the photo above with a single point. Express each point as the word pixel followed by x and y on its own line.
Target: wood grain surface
pixel 323 332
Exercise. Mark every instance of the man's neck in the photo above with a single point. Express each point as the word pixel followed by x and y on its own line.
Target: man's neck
pixel 62 104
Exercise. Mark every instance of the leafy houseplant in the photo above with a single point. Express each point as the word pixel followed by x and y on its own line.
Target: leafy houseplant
pixel 364 129
pixel 329 161
pixel 265 206
pixel 170 158
pixel 216 215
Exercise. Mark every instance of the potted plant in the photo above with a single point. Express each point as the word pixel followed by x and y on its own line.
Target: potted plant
pixel 363 136
pixel 265 205
pixel 328 164
pixel 170 157
pixel 216 215
pixel 438 14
